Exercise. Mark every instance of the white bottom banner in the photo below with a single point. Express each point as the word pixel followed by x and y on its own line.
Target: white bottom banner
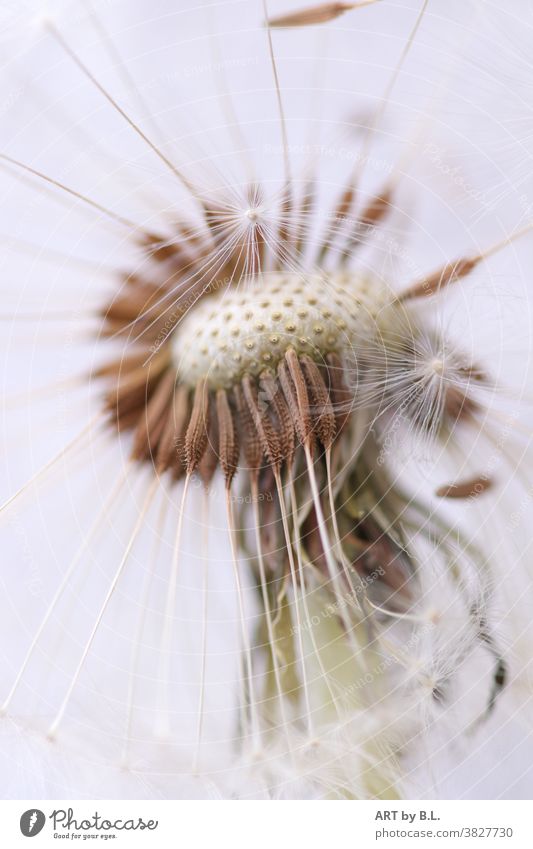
pixel 258 825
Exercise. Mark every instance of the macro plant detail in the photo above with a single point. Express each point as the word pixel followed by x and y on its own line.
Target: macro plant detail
pixel 250 371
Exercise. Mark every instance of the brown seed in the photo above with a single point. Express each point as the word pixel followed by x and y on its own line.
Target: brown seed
pixel 457 405
pixel 171 450
pixel 304 216
pixel 270 441
pixel 132 389
pixel 341 397
pixel 152 422
pixel 321 14
pixel 450 273
pixel 161 249
pixel 133 375
pixel 342 209
pixel 228 438
pixel 249 438
pixel 134 302
pixel 465 489
pixel 125 420
pixel 322 409
pixel 273 391
pixel 197 431
pixel 377 208
pixel 294 387
pixel 345 202
pixel 372 215
pixel 122 365
pixel 209 462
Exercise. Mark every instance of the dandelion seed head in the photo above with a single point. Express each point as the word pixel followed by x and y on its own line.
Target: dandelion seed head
pixel 251 328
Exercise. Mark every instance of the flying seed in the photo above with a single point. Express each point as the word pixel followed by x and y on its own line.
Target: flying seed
pixel 313 15
pixel 465 489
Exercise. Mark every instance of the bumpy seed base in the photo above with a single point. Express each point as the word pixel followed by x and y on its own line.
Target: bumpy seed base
pixel 248 331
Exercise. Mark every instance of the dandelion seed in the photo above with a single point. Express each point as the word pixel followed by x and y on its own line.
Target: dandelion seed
pixel 321 14
pixel 466 489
